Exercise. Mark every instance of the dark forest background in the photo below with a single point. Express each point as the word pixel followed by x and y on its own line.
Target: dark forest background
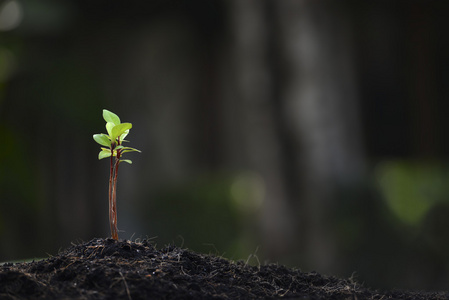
pixel 309 133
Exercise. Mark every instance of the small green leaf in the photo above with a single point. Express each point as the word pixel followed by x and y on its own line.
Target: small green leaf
pixel 104 153
pixel 109 126
pixel 127 161
pixel 109 116
pixel 102 139
pixel 129 149
pixel 109 150
pixel 122 137
pixel 120 129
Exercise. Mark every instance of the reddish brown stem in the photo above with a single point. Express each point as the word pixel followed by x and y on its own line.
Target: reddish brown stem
pixel 112 224
pixel 114 198
pixel 112 192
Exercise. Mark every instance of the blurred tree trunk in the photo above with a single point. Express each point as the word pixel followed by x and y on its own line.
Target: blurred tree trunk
pixel 320 107
pixel 249 113
pixel 295 87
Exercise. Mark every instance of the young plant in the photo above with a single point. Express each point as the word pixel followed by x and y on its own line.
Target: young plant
pixel 117 132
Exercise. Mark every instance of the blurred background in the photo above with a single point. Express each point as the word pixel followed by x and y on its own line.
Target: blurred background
pixel 308 133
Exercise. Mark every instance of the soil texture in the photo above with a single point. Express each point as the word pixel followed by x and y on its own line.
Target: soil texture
pixel 108 269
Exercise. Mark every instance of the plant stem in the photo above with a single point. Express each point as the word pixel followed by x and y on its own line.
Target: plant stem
pixel 111 202
pixel 114 198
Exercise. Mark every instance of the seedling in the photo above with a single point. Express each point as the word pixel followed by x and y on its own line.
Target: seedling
pixel 117 132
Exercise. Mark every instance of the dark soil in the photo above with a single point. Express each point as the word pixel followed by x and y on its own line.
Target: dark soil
pixel 106 269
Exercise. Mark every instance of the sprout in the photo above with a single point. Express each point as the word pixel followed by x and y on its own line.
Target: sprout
pixel 113 148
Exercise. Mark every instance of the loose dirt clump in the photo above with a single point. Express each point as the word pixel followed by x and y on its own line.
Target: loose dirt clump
pixel 107 269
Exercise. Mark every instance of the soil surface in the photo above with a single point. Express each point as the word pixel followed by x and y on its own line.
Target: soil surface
pixel 107 269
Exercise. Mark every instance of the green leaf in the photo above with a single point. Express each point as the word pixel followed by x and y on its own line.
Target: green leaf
pixel 122 137
pixel 127 161
pixel 104 153
pixel 129 149
pixel 120 129
pixel 102 139
pixel 114 152
pixel 110 117
pixel 109 126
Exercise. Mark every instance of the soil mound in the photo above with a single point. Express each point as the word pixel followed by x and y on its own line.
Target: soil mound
pixel 107 269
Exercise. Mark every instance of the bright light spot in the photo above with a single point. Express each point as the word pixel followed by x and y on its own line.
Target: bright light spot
pixel 11 15
pixel 248 191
